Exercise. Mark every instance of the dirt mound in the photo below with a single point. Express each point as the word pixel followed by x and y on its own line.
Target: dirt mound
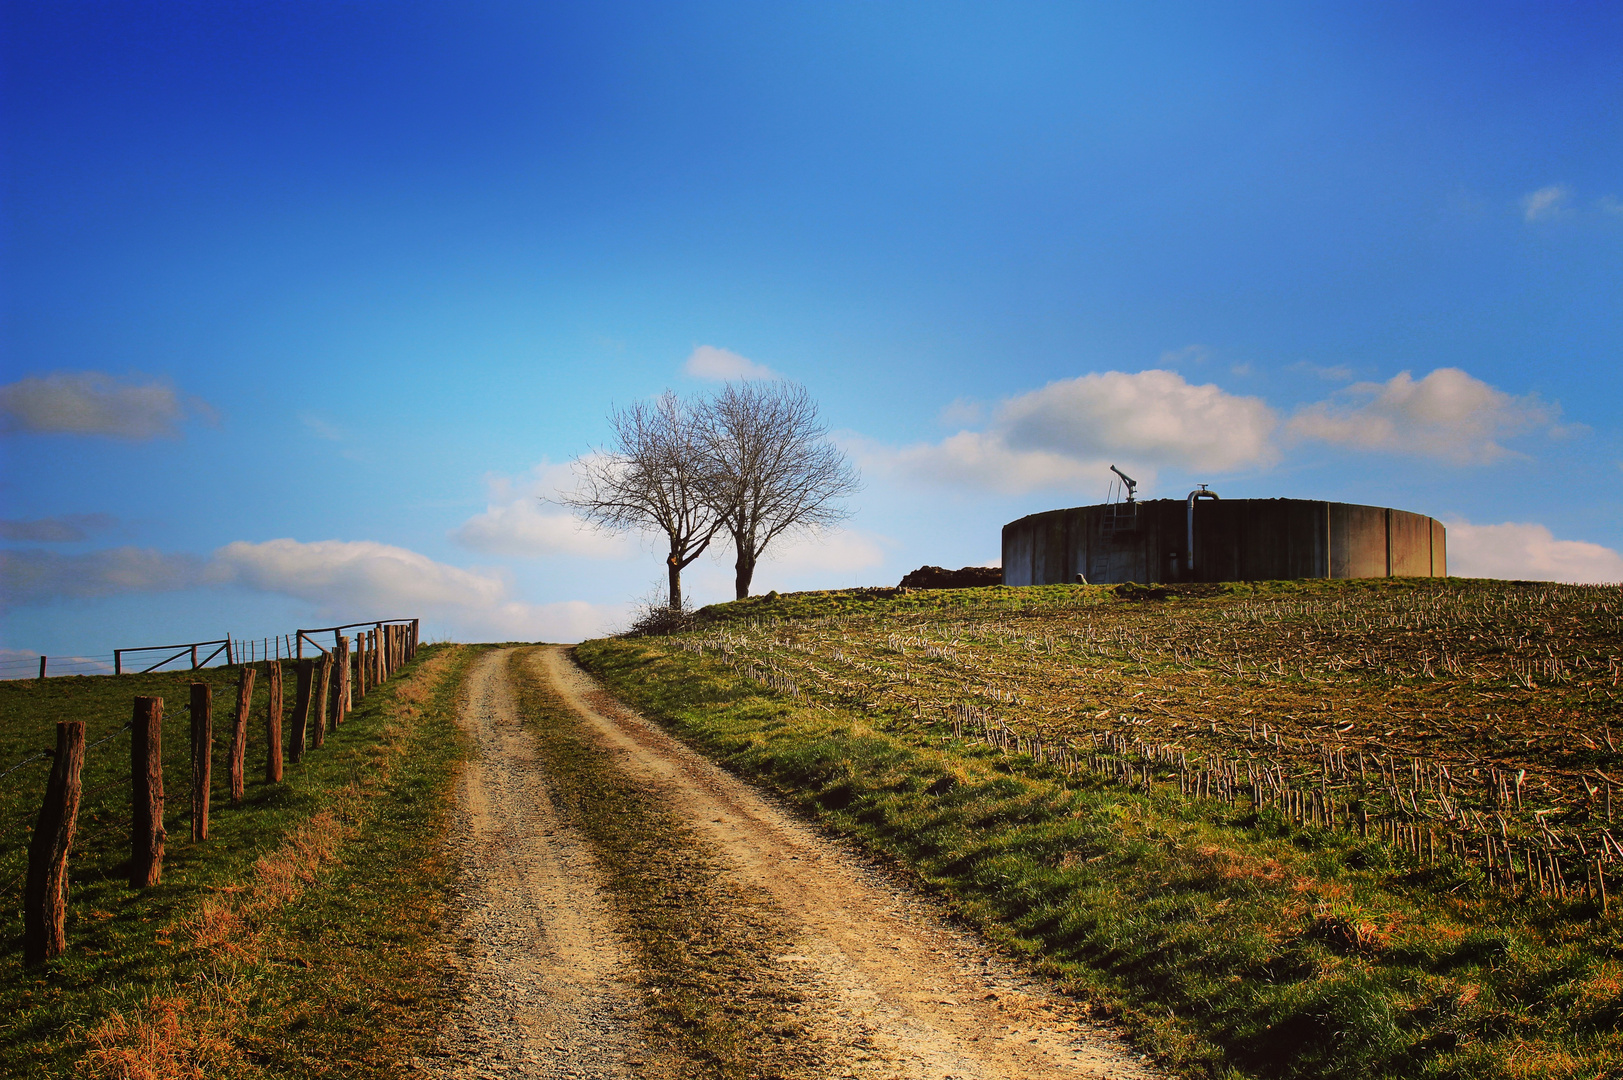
pixel 936 577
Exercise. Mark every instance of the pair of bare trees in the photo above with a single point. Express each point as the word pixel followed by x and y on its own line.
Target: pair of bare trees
pixel 751 464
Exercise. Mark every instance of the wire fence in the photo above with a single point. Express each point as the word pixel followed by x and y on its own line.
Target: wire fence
pixel 236 650
pixel 329 684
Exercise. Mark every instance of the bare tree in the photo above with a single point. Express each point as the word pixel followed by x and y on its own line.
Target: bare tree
pixel 652 478
pixel 769 468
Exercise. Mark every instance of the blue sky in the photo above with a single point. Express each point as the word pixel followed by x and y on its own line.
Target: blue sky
pixel 304 304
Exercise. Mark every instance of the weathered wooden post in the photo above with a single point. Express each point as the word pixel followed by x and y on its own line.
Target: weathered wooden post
pixel 146 798
pixel 301 711
pixel 341 702
pixel 42 667
pixel 202 757
pixel 361 683
pixel 194 657
pixel 322 692
pixel 118 661
pixel 273 722
pixel 239 731
pixel 45 906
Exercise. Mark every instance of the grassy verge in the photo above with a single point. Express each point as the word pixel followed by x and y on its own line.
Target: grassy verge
pixel 704 945
pixel 1229 944
pixel 299 939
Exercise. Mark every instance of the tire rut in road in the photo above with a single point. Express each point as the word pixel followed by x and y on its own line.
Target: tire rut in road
pixel 542 969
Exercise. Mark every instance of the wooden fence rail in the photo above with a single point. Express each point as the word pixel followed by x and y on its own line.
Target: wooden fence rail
pixel 224 646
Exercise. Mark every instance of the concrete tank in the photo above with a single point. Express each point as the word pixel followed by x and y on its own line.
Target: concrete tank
pixel 1234 540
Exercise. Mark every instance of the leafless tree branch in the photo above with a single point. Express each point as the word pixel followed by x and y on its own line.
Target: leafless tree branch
pixel 769 468
pixel 653 477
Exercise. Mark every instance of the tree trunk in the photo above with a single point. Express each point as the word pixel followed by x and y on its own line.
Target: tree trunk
pixel 673 568
pixel 745 573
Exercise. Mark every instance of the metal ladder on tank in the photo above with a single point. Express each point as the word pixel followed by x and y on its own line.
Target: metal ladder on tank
pixel 1121 515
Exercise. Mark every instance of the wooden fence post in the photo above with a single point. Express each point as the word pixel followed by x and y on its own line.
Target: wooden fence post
pixel 321 693
pixel 239 731
pixel 342 704
pixel 416 636
pixel 42 667
pixel 146 776
pixel 301 711
pixel 202 757
pixel 273 722
pixel 361 686
pixel 194 657
pixel 379 646
pixel 45 898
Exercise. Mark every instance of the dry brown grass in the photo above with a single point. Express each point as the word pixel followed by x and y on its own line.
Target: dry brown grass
pixel 161 1040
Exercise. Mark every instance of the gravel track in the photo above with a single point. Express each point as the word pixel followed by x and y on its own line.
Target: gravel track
pixel 893 990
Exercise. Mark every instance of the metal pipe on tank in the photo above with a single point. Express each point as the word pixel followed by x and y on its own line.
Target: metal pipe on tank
pixel 1202 493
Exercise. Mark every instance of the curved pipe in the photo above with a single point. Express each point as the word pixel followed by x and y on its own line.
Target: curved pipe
pixel 1193 495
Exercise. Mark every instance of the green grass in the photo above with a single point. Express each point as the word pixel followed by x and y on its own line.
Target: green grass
pixel 334 976
pixel 1227 943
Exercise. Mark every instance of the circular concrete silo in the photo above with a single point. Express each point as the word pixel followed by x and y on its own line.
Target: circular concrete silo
pixel 1211 539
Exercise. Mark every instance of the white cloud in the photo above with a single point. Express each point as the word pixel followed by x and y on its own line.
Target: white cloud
pixel 837 551
pixel 1525 551
pixel 1153 416
pixel 831 559
pixel 709 362
pixel 522 519
pixel 1546 202
pixel 341 577
pixel 30 576
pixel 962 411
pixel 1067 434
pixel 67 529
pixel 334 574
pixel 1448 414
pixel 95 403
pixel 979 460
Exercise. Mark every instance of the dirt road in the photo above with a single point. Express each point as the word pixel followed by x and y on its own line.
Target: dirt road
pixel 891 990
